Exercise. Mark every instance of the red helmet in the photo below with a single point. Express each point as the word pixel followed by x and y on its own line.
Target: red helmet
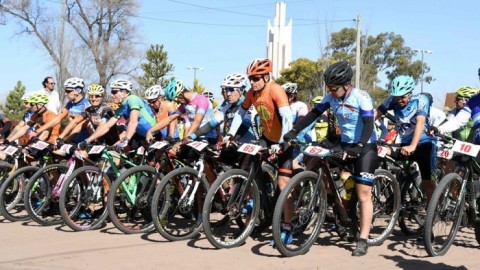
pixel 259 67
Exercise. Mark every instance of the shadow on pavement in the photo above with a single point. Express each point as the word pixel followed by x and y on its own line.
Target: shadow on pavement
pixel 403 263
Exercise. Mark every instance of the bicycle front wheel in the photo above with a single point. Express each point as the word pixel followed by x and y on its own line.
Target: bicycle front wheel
pixel 176 204
pixel 130 199
pixel 83 201
pixel 227 219
pixel 309 200
pixel 12 205
pixel 444 215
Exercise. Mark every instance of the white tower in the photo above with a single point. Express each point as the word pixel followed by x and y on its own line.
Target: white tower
pixel 279 40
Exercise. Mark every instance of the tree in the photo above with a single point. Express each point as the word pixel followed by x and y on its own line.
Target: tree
pixel 13 107
pixel 100 34
pixel 197 87
pixel 156 67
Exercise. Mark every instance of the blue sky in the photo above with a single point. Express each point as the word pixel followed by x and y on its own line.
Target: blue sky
pixel 194 33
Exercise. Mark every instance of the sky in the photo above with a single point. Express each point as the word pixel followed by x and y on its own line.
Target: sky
pixel 223 37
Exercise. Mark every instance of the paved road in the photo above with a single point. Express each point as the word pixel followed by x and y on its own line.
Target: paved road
pixel 29 246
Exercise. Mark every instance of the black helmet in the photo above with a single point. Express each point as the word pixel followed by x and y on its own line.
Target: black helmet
pixel 339 73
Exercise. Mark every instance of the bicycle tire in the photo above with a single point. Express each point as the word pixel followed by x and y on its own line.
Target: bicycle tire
pixel 224 225
pixel 12 205
pixel 385 211
pixel 307 222
pixel 413 208
pixel 38 195
pixel 440 210
pixel 79 210
pixel 127 216
pixel 5 170
pixel 173 221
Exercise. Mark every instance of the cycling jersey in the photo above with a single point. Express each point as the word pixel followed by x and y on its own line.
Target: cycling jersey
pixel 300 109
pixel 229 111
pixel 267 103
pixel 39 119
pixel 101 114
pixel 72 109
pixel 436 117
pixel 406 117
pixel 146 119
pixel 166 108
pixel 349 112
pixel 199 104
pixel 465 133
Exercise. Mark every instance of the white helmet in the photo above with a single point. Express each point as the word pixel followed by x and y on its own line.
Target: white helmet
pixel 74 83
pixel 235 80
pixel 208 95
pixel 154 92
pixel 25 96
pixel 122 85
pixel 290 88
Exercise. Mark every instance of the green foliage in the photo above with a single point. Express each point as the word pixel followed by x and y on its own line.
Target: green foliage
pixel 156 67
pixel 197 87
pixel 13 107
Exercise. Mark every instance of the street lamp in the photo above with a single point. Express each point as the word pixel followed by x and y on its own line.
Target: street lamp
pixel 195 72
pixel 421 79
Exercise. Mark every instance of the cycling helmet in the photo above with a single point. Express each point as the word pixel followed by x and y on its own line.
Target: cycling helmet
pixel 208 95
pixel 259 67
pixel 339 73
pixel 95 89
pixel 402 85
pixel 38 98
pixel 25 96
pixel 122 85
pixel 154 91
pixel 317 99
pixel 74 83
pixel 290 88
pixel 174 88
pixel 235 80
pixel 466 91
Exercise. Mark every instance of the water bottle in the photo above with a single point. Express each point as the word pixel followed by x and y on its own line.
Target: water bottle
pixel 248 207
pixel 349 185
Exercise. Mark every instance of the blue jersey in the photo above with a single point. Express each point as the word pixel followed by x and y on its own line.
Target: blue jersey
pixel 473 108
pixel 406 117
pixel 74 109
pixel 146 119
pixel 349 113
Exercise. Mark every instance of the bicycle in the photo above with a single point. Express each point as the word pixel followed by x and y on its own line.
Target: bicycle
pixel 12 205
pixel 83 200
pixel 236 200
pixel 129 202
pixel 309 189
pixel 453 197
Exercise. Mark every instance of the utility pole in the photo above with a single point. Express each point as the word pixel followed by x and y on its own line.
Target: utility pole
pixel 195 72
pixel 423 69
pixel 357 52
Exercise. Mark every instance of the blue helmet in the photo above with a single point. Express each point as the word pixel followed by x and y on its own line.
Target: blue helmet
pixel 402 85
pixel 173 89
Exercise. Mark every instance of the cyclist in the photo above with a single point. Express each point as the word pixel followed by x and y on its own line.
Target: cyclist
pixel 354 110
pixel 463 94
pixel 162 109
pixel 75 106
pixel 321 126
pixel 41 115
pixel 299 109
pixel 436 116
pixel 271 103
pixel 94 115
pixel 196 109
pixel 133 109
pixel 411 117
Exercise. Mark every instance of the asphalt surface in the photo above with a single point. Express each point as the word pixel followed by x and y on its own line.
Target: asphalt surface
pixel 24 245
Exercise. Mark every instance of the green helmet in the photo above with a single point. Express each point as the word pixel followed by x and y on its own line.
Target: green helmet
pixel 38 99
pixel 466 91
pixel 317 99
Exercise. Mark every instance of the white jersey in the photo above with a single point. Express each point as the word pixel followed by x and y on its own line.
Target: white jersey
pixel 53 100
pixel 436 117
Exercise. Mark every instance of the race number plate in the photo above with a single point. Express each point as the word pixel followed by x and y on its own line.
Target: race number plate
pixel 382 151
pixel 315 151
pixel 96 149
pixel 140 150
pixel 198 145
pixel 466 148
pixel 158 145
pixel 445 153
pixel 40 145
pixel 250 149
pixel 10 150
pixel 66 148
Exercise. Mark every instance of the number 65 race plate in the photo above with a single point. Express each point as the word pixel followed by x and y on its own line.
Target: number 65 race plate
pixel 250 149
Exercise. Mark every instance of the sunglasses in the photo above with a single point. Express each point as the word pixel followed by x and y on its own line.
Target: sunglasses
pixel 52 83
pixel 334 88
pixel 26 103
pixel 255 78
pixel 402 97
pixel 114 92
pixel 231 89
pixel 151 101
pixel 95 96
pixel 460 98
pixel 68 91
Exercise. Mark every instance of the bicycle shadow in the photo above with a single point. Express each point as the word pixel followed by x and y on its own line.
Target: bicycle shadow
pixel 150 237
pixel 403 263
pixel 200 242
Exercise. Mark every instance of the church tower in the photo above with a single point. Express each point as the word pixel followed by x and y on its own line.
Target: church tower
pixel 279 40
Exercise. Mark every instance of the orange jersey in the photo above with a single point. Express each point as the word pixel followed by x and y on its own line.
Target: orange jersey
pixel 38 120
pixel 267 102
pixel 165 108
